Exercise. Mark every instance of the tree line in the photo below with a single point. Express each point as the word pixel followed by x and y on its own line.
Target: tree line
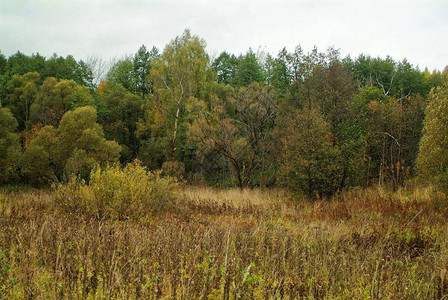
pixel 314 122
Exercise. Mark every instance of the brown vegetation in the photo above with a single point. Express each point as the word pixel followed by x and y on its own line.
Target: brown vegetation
pixel 229 244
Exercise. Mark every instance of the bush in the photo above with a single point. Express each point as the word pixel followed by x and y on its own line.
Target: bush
pixel 116 193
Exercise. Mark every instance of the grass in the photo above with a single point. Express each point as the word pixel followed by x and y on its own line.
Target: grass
pixel 230 244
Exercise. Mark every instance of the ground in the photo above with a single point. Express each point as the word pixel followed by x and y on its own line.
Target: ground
pixel 230 244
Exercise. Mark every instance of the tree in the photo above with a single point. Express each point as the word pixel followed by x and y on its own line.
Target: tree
pixel 10 151
pixel 181 76
pixel 249 70
pixel 121 112
pixel 83 75
pixel 142 67
pixel 333 91
pixel 19 64
pixel 240 131
pixel 310 164
pixel 432 159
pixel 225 67
pixel 280 77
pixel 55 98
pixel 122 72
pixel 391 128
pixel 60 67
pixel 22 92
pixel 396 79
pixel 74 147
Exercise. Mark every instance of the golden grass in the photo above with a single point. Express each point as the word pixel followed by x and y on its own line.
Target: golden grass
pixel 222 244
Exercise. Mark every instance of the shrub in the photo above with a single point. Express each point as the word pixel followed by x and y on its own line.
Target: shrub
pixel 116 193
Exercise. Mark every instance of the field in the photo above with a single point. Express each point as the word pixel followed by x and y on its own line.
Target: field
pixel 230 244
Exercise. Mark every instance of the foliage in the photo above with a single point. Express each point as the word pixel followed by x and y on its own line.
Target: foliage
pixel 74 147
pixel 249 70
pixel 10 151
pixel 225 67
pixel 142 67
pixel 219 122
pixel 119 115
pixel 391 128
pixel 432 157
pixel 310 163
pixel 22 91
pixel 396 79
pixel 181 75
pixel 55 98
pixel 122 73
pixel 241 133
pixel 115 193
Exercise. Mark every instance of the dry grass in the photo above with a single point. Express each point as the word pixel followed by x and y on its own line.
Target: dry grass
pixel 230 244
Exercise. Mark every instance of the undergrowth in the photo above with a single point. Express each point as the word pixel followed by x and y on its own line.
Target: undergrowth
pixel 112 192
pixel 224 244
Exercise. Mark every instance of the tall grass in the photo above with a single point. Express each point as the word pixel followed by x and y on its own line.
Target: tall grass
pixel 229 244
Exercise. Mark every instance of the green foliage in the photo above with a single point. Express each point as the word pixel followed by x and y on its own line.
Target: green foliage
pixel 397 79
pixel 74 147
pixel 211 121
pixel 22 91
pixel 40 158
pixel 121 111
pixel 58 67
pixel 122 73
pixel 249 70
pixel 310 163
pixel 240 130
pixel 115 193
pixel 142 67
pixel 56 98
pixel 225 66
pixel 132 72
pixel 432 158
pixel 10 150
pixel 391 128
pixel 181 77
pixel 279 76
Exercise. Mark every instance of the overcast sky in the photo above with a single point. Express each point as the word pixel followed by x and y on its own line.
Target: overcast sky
pixel 412 29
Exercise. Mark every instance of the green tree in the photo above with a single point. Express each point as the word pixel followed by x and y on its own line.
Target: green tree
pixel 310 164
pixel 40 164
pixel 74 147
pixel 240 130
pixel 225 67
pixel 121 112
pixel 249 70
pixel 60 67
pixel 181 75
pixel 391 128
pixel 280 77
pixel 432 159
pixel 142 67
pixel 10 150
pixel 22 92
pixel 122 72
pixel 55 98
pixel 19 64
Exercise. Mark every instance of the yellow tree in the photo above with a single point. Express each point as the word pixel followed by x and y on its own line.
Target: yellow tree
pixel 10 152
pixel 432 161
pixel 181 75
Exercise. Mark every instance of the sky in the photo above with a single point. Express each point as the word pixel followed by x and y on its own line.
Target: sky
pixel 414 29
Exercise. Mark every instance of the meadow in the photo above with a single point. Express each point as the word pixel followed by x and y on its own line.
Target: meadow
pixel 229 244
